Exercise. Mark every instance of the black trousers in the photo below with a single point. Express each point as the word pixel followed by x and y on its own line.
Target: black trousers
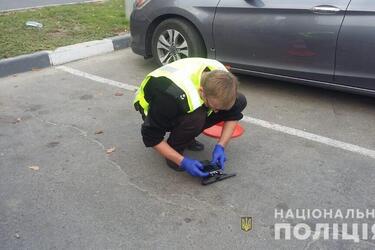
pixel 191 125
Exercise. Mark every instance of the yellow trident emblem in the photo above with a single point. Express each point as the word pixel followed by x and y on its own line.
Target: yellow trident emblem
pixel 246 223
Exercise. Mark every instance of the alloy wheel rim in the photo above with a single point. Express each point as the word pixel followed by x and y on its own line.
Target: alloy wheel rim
pixel 171 46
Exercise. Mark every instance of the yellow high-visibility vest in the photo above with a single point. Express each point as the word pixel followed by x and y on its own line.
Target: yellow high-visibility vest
pixel 186 75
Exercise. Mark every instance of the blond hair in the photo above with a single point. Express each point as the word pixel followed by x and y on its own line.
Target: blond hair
pixel 221 85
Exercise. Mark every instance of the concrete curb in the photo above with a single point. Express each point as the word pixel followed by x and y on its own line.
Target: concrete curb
pixel 62 55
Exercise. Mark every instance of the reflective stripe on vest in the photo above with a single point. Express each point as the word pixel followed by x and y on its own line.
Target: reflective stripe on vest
pixel 186 74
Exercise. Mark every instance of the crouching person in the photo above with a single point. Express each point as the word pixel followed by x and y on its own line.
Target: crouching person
pixel 184 98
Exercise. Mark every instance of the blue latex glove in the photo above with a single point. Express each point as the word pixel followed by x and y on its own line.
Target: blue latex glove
pixel 218 156
pixel 193 167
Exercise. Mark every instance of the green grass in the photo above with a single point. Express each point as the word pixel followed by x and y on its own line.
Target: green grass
pixel 62 25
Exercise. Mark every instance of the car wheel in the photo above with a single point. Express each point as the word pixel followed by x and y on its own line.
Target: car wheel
pixel 175 39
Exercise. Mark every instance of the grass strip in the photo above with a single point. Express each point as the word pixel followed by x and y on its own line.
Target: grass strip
pixel 62 25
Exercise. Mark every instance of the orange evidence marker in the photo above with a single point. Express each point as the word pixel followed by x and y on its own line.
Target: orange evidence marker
pixel 215 130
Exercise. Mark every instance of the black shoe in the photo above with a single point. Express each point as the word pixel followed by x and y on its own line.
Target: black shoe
pixel 195 146
pixel 173 166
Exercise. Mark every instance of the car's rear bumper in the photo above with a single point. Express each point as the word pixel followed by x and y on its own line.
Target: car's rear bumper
pixel 138 30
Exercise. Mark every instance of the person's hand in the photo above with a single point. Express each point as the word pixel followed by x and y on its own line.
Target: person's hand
pixel 218 156
pixel 193 167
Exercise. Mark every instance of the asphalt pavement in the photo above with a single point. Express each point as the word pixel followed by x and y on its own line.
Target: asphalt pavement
pixel 75 174
pixel 6 5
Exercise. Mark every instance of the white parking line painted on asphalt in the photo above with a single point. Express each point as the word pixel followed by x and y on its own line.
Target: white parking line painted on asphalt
pixel 98 78
pixel 312 137
pixel 265 124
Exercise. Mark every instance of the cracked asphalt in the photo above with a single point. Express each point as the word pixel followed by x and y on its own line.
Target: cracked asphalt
pixel 85 198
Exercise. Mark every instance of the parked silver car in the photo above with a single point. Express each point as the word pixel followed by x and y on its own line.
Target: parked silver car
pixel 328 43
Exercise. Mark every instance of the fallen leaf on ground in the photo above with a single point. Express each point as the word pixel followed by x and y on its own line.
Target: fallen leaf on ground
pixel 98 132
pixel 119 94
pixel 35 168
pixel 111 150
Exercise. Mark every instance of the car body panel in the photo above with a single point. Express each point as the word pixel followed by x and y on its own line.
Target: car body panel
pixel 279 37
pixel 291 42
pixel 355 60
pixel 138 30
pixel 199 13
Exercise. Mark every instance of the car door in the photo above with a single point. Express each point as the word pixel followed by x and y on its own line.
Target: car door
pixel 289 37
pixel 355 62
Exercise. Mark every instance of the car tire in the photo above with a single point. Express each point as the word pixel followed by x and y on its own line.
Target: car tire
pixel 174 39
